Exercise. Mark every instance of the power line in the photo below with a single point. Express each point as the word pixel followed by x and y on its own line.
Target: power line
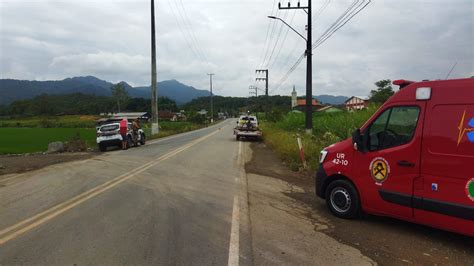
pixel 346 16
pixel 318 13
pixel 321 10
pixel 287 75
pixel 270 40
pixel 351 14
pixel 277 40
pixel 193 36
pixel 266 36
pixel 283 41
pixel 188 28
pixel 182 32
pixel 316 16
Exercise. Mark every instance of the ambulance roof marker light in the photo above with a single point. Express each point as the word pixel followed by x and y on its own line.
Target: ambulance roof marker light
pixel 402 83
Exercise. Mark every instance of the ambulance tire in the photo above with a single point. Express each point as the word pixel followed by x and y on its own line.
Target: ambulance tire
pixel 342 199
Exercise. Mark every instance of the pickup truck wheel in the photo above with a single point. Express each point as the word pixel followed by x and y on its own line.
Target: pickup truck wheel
pixel 342 199
pixel 142 139
pixel 102 147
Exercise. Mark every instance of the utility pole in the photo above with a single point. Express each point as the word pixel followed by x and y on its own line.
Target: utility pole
pixel 251 88
pixel 265 78
pixel 266 104
pixel 254 93
pixel 212 104
pixel 309 66
pixel 154 103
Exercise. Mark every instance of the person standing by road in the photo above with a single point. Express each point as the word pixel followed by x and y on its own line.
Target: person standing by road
pixel 123 132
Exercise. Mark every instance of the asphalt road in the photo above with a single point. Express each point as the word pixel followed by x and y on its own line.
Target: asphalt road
pixel 172 201
pixel 181 200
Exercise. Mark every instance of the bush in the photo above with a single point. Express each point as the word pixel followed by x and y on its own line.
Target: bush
pixel 197 118
pixel 75 144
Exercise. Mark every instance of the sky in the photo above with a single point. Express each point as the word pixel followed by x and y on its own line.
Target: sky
pixel 391 39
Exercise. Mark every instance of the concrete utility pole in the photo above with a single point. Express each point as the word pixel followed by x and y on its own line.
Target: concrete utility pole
pixel 155 129
pixel 212 104
pixel 309 66
pixel 265 78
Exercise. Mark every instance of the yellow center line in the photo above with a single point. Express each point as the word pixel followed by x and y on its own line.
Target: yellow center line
pixel 28 224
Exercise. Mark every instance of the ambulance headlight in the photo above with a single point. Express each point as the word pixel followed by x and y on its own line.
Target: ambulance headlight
pixel 322 156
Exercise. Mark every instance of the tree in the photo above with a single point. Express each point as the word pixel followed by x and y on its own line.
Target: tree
pixel 383 92
pixel 120 95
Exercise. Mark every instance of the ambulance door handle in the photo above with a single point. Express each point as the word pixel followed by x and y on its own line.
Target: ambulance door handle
pixel 405 164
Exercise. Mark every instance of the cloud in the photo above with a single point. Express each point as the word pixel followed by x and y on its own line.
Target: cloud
pixel 412 39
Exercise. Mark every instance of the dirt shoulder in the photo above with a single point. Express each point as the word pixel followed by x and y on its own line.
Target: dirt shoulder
pixel 14 164
pixel 384 240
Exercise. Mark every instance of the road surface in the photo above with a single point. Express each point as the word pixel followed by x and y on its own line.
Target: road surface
pixel 180 200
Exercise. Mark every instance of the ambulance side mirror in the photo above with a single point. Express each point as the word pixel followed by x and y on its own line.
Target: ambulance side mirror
pixel 357 140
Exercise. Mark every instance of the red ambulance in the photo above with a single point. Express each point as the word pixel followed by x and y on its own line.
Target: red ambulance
pixel 412 160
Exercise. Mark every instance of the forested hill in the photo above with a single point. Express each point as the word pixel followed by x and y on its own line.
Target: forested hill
pixel 12 90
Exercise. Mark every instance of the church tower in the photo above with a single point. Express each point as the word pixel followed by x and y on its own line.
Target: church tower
pixel 293 98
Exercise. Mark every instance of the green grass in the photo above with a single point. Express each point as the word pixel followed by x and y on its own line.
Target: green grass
pixel 66 121
pixel 328 128
pixel 27 140
pixel 26 135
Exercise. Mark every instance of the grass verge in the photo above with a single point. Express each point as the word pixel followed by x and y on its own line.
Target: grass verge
pixel 28 140
pixel 329 128
pixel 65 121
pixel 21 139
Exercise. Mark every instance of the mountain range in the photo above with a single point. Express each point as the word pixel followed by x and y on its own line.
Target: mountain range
pixel 331 99
pixel 13 90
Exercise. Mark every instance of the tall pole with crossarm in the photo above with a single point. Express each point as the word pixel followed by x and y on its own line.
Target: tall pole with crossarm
pixel 309 60
pixel 154 103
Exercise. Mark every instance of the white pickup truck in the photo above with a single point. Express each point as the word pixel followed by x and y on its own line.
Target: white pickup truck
pixel 247 127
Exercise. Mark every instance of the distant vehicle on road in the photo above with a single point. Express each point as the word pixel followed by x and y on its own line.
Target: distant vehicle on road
pixel 247 127
pixel 108 135
pixel 412 160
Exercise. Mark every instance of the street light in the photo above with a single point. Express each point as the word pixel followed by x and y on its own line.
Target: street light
pixel 277 18
pixel 309 66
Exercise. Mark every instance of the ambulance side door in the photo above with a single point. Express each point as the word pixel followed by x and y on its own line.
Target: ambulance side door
pixel 388 168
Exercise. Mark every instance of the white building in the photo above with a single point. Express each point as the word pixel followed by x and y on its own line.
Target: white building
pixel 357 103
pixel 294 98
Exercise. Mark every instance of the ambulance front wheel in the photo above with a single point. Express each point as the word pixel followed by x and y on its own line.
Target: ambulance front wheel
pixel 342 199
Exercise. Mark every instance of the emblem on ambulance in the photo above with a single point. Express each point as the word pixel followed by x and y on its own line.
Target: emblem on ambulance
pixel 379 169
pixel 470 189
pixel 466 130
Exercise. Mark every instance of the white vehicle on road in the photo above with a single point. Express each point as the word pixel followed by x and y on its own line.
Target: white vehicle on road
pixel 109 135
pixel 247 127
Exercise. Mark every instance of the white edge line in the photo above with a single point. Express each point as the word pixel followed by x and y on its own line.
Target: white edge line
pixel 234 230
